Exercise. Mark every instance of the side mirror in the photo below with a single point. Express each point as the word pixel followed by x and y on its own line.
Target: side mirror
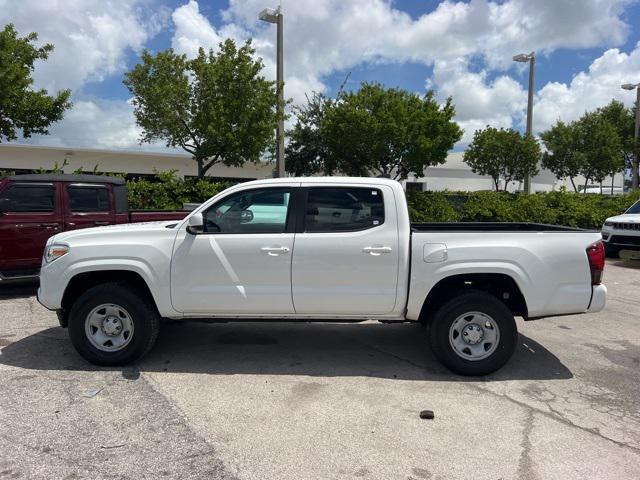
pixel 195 224
pixel 5 205
pixel 623 210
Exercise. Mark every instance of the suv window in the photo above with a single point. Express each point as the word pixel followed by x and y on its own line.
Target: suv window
pixel 31 198
pixel 261 210
pixel 343 209
pixel 88 199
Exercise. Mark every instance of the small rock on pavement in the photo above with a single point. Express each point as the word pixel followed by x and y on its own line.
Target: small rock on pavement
pixel 427 414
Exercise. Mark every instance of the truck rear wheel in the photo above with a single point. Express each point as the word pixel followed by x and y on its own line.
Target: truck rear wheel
pixel 473 334
pixel 113 324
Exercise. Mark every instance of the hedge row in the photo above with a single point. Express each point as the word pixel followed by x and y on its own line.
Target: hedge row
pixel 168 191
pixel 558 208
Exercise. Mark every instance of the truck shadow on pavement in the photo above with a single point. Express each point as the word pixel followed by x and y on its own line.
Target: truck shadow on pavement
pixel 18 289
pixel 323 350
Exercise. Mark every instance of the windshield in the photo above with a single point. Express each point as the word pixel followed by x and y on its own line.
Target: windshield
pixel 635 208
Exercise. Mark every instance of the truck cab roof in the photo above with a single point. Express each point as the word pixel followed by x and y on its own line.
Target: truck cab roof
pixel 64 177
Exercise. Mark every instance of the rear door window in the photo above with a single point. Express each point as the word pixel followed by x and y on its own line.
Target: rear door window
pixel 343 209
pixel 31 198
pixel 88 198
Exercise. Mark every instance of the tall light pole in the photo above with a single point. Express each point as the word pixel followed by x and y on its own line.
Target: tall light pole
pixel 275 16
pixel 636 135
pixel 531 58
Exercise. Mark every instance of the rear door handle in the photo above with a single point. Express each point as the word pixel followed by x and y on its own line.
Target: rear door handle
pixel 376 251
pixel 99 224
pixel 49 225
pixel 274 251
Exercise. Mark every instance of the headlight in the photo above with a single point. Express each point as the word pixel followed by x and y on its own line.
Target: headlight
pixel 608 224
pixel 55 251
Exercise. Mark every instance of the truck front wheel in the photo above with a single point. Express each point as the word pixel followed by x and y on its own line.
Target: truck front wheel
pixel 473 334
pixel 113 324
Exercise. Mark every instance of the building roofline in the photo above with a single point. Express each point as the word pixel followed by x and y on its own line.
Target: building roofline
pixel 95 150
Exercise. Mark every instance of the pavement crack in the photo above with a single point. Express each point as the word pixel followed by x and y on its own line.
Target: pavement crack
pixel 556 415
pixel 526 469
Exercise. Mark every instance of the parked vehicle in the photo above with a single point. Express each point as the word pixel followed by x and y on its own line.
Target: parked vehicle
pixel 602 189
pixel 319 249
pixel 622 232
pixel 35 207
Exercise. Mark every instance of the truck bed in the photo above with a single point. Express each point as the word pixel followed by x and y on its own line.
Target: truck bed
pixel 491 227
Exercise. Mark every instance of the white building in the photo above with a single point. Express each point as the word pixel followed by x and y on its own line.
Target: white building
pixel 23 158
pixel 454 175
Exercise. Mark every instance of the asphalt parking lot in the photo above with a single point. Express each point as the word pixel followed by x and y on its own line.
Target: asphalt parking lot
pixel 316 401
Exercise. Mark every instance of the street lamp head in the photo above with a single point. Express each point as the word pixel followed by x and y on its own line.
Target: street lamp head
pixel 269 15
pixel 523 57
pixel 630 86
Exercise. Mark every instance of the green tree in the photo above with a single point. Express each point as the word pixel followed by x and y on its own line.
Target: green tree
pixel 598 144
pixel 388 132
pixel 600 147
pixel 22 108
pixel 623 120
pixel 217 106
pixel 562 157
pixel 375 131
pixel 503 154
pixel 306 152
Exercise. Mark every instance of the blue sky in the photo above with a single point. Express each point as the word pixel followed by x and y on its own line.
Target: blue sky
pixel 585 49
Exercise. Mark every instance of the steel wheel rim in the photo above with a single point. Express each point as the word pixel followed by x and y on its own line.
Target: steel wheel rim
pixel 474 336
pixel 109 327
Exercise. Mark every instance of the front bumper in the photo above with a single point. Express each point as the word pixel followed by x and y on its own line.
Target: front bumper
pixel 620 240
pixel 52 285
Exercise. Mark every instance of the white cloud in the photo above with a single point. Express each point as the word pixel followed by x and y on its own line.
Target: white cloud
pixel 324 36
pixel 107 124
pixel 193 30
pixel 479 102
pixel 588 90
pixel 91 37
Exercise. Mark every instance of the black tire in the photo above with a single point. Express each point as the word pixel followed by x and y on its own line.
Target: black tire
pixel 473 301
pixel 145 319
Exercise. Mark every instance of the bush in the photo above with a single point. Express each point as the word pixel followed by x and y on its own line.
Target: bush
pixel 431 207
pixel 559 208
pixel 169 192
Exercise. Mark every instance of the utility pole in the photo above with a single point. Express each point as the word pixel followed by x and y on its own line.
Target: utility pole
pixel 531 58
pixel 275 16
pixel 636 135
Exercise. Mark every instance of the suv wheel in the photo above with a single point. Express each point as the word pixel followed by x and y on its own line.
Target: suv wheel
pixel 113 324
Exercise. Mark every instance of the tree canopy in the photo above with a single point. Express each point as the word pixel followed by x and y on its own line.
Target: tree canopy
pixel 563 157
pixel 503 154
pixel 218 106
pixel 23 110
pixel 595 146
pixel 306 153
pixel 380 131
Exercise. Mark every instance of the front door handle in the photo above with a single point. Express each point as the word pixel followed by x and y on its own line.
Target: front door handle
pixel 101 224
pixel 376 251
pixel 274 251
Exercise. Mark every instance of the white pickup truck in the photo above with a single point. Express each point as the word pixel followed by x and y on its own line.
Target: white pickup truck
pixel 318 249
